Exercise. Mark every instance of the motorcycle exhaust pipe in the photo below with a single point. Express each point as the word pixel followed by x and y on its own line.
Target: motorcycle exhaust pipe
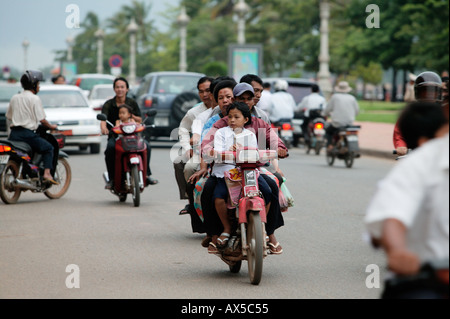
pixel 24 184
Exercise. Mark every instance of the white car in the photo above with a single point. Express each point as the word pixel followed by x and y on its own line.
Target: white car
pixel 67 107
pixel 100 93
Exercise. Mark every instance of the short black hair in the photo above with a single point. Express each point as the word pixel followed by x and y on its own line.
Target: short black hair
pixel 121 79
pixel 267 85
pixel 249 78
pixel 56 77
pixel 420 119
pixel 203 80
pixel 315 88
pixel 245 110
pixel 126 106
pixel 222 85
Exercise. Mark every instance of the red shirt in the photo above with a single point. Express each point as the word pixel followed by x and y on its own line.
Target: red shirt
pixel 397 138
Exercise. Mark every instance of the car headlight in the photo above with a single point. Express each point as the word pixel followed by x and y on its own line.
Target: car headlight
pixel 128 129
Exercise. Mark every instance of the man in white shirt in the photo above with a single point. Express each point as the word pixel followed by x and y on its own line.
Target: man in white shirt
pixel 283 103
pixel 188 162
pixel 313 101
pixel 26 114
pixel 266 98
pixel 409 214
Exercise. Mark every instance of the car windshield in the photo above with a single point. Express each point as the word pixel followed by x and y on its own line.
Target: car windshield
pixel 102 93
pixel 175 84
pixel 88 83
pixel 7 92
pixel 62 99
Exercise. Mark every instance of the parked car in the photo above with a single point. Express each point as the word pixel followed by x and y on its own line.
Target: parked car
pixel 67 107
pixel 87 81
pixel 172 94
pixel 100 93
pixel 7 90
pixel 299 88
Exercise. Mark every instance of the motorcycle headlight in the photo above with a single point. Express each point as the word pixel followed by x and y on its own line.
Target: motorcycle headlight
pixel 128 129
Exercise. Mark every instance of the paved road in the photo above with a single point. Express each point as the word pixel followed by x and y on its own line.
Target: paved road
pixel 150 252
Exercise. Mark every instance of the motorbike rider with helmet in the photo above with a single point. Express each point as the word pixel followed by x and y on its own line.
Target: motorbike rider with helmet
pixel 26 114
pixel 427 88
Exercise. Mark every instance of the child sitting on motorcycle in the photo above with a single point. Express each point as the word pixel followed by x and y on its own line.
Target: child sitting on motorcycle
pixel 125 115
pixel 225 140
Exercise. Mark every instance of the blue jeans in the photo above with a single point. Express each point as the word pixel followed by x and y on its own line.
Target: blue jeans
pixel 37 143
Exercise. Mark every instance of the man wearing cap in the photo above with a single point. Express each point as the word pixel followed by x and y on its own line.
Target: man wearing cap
pixel 244 92
pixel 342 108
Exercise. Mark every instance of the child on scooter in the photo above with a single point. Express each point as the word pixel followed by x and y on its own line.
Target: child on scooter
pixel 125 115
pixel 230 138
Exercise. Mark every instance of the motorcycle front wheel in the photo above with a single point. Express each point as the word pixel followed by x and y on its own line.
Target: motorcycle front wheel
pixel 330 157
pixel 136 190
pixel 8 193
pixel 255 253
pixel 63 175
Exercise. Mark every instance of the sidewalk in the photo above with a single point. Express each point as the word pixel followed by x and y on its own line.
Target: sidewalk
pixel 375 139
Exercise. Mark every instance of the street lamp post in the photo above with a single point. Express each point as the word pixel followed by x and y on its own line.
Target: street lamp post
pixel 69 41
pixel 324 57
pixel 99 34
pixel 25 45
pixel 183 20
pixel 132 29
pixel 241 9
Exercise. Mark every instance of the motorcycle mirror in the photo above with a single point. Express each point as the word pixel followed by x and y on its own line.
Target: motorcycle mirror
pixel 151 113
pixel 101 117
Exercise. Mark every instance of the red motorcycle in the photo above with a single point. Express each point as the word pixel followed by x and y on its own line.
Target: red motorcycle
pixel 131 160
pixel 248 238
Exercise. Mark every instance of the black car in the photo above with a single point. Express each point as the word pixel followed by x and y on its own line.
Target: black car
pixel 171 94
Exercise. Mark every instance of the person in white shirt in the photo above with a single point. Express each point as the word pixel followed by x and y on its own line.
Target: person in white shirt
pixel 313 101
pixel 409 213
pixel 342 108
pixel 266 98
pixel 188 162
pixel 26 114
pixel 283 103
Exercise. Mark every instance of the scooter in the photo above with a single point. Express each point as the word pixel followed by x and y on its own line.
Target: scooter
pixel 345 146
pixel 22 170
pixel 285 131
pixel 248 238
pixel 316 131
pixel 131 160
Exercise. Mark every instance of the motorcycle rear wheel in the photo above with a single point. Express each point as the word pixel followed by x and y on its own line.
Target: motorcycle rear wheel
pixel 349 159
pixel 330 158
pixel 136 190
pixel 9 194
pixel 63 175
pixel 255 254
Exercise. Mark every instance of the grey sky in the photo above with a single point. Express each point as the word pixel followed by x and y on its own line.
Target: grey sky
pixel 43 24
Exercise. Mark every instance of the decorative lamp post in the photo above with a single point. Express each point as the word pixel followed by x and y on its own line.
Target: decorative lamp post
pixel 25 45
pixel 69 41
pixel 324 57
pixel 241 9
pixel 99 35
pixel 132 30
pixel 183 21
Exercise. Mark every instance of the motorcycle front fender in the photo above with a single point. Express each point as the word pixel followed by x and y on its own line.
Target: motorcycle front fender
pixel 254 204
pixel 63 154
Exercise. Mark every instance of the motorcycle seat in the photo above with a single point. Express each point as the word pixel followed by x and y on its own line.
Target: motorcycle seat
pixel 24 147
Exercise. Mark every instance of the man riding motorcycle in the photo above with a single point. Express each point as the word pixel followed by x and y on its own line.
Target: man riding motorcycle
pixel 26 114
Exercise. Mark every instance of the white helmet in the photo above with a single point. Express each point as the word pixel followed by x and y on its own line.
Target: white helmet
pixel 281 85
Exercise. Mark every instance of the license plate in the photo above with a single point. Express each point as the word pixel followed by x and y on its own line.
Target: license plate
pixel 161 121
pixel 4 159
pixel 287 133
pixel 352 138
pixel 319 131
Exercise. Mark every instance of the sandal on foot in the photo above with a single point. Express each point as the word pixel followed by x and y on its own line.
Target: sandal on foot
pixel 222 243
pixel 184 211
pixel 212 249
pixel 275 249
pixel 206 241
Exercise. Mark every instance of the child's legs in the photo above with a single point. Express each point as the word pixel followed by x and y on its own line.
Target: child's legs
pixel 220 198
